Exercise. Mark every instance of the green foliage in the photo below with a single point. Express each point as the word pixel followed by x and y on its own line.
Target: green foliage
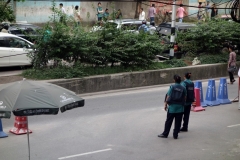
pixel 211 59
pixel 107 46
pixel 80 70
pixel 61 71
pixel 209 37
pixel 176 63
pixel 6 12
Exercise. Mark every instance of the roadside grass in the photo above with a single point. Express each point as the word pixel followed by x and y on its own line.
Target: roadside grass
pixel 79 70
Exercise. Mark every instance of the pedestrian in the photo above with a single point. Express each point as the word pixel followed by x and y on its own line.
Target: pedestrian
pixel 208 10
pixel 151 14
pixel 63 14
pixel 142 15
pixel 119 14
pixel 231 64
pixel 174 105
pixel 200 13
pixel 77 16
pixel 189 85
pixel 99 11
pixel 214 11
pixel 180 13
pixel 143 27
pixel 106 15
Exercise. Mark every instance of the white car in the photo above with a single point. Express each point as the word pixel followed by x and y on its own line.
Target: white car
pixel 14 50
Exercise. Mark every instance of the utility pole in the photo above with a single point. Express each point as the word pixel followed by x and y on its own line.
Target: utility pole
pixel 172 39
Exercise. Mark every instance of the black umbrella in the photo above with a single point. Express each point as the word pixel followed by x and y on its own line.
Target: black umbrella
pixel 29 98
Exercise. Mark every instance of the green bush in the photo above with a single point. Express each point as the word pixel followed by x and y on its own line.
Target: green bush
pixel 175 63
pixel 209 37
pixel 108 46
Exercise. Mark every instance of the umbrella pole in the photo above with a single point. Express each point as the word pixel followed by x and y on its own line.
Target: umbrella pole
pixel 28 140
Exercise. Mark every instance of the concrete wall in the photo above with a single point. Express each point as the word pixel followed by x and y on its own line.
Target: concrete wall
pixel 140 79
pixel 40 12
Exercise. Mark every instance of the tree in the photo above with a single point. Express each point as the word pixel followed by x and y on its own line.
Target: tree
pixel 7 12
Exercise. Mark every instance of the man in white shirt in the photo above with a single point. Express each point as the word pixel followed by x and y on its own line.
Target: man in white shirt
pixel 208 10
pixel 142 15
pixel 77 17
pixel 63 14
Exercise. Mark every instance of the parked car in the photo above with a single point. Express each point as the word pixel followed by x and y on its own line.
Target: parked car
pixel 24 30
pixel 164 29
pixel 130 25
pixel 14 50
pixel 164 32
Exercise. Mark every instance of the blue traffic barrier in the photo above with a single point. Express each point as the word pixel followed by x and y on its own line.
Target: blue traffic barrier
pixel 211 99
pixel 2 134
pixel 223 92
pixel 198 84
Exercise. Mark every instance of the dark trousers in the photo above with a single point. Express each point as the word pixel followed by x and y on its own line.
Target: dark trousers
pixel 186 114
pixel 168 123
pixel 231 76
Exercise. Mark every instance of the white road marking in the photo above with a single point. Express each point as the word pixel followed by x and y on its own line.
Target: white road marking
pixel 82 154
pixel 234 125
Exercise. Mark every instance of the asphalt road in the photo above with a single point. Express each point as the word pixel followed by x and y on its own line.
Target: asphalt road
pixel 9 71
pixel 123 125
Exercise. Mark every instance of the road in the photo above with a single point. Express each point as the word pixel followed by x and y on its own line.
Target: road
pixel 9 71
pixel 123 125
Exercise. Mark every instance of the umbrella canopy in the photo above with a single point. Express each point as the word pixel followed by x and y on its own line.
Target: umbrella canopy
pixel 28 98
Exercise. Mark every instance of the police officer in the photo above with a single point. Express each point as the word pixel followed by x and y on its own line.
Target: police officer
pixel 189 85
pixel 174 105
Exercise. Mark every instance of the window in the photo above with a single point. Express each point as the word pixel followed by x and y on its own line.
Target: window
pixel 13 42
pixel 2 42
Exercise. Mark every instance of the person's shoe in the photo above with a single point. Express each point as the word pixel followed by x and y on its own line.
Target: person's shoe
pixel 162 136
pixel 175 137
pixel 183 130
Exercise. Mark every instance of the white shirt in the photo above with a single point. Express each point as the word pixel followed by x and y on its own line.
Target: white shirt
pixel 142 16
pixel 63 10
pixel 76 14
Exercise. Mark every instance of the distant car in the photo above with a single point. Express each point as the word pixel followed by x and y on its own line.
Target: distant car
pixel 164 32
pixel 130 25
pixel 24 30
pixel 14 50
pixel 165 28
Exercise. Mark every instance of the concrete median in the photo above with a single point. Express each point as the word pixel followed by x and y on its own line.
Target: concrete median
pixel 140 79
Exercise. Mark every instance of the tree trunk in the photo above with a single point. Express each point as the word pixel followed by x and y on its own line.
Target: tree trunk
pixel 138 6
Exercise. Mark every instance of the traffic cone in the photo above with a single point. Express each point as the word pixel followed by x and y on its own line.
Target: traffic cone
pixel 20 126
pixel 198 106
pixel 2 134
pixel 223 92
pixel 211 99
pixel 198 84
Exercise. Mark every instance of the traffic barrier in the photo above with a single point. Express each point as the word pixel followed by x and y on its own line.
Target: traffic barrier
pixel 198 84
pixel 211 99
pixel 197 106
pixel 20 126
pixel 2 134
pixel 223 92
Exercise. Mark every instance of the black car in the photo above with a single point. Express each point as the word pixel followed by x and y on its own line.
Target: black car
pixel 24 30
